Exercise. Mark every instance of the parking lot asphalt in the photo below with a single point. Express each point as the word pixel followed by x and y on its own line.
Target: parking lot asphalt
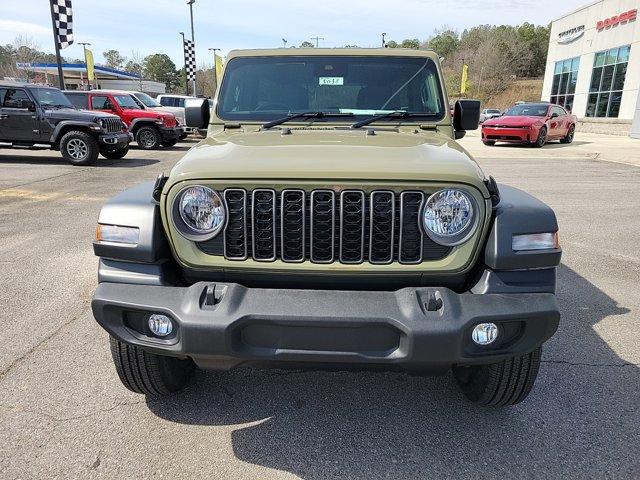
pixel 64 413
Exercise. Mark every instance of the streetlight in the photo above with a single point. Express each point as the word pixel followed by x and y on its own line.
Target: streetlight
pixel 317 39
pixel 86 63
pixel 384 43
pixel 193 39
pixel 284 42
pixel 215 68
pixel 186 75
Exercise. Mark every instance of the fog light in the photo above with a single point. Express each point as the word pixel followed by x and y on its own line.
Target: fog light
pixel 485 333
pixel 160 325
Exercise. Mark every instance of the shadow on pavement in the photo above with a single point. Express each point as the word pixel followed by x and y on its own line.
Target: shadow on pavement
pixel 579 421
pixel 127 162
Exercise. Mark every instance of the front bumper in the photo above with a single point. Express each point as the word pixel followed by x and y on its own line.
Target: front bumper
pixel 516 135
pixel 221 326
pixel 115 140
pixel 170 133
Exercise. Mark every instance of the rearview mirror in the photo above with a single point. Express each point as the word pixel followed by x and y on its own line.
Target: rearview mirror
pixel 466 115
pixel 196 112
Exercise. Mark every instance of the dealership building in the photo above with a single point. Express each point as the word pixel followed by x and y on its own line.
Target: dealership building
pixel 593 66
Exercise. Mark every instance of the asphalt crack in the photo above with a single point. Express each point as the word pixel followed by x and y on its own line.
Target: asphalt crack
pixel 585 364
pixel 54 333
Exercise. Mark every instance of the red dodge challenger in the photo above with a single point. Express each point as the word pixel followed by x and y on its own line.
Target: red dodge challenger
pixel 530 123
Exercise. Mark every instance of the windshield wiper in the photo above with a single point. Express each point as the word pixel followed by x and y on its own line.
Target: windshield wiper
pixel 382 116
pixel 294 116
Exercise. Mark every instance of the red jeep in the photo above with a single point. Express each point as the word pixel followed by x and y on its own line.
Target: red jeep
pixel 150 128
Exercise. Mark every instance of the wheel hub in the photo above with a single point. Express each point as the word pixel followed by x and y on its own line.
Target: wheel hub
pixel 77 149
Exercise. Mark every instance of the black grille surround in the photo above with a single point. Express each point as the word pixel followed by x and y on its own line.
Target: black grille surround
pixel 324 226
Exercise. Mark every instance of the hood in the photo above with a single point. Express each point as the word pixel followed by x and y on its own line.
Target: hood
pixel 73 114
pixel 177 111
pixel 332 154
pixel 514 121
pixel 139 113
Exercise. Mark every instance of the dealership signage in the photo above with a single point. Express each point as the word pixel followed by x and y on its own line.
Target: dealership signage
pixel 570 35
pixel 616 20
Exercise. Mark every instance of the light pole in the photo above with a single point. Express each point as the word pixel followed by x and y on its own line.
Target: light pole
pixel 215 69
pixel 193 39
pixel 384 43
pixel 284 42
pixel 86 63
pixel 317 39
pixel 186 75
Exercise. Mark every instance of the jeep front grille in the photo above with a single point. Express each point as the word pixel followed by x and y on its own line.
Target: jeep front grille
pixel 322 226
pixel 112 125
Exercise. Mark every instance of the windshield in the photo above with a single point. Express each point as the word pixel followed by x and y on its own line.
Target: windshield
pixel 146 100
pixel 51 97
pixel 268 88
pixel 126 101
pixel 528 110
pixel 493 111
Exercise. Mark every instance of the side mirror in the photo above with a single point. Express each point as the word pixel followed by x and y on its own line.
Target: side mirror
pixel 466 115
pixel 196 112
pixel 554 115
pixel 28 105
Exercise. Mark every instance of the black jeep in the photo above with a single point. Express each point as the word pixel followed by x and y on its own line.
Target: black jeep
pixel 34 115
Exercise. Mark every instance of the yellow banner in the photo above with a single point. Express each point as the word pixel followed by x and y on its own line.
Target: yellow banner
pixel 218 67
pixel 465 77
pixel 91 74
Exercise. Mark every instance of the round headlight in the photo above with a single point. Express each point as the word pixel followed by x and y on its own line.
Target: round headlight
pixel 199 213
pixel 449 217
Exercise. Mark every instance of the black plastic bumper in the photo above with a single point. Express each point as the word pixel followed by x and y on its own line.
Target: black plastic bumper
pixel 223 325
pixel 170 133
pixel 116 140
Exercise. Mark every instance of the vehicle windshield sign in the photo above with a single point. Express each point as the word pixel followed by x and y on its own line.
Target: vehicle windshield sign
pixel 51 97
pixel 271 87
pixel 527 110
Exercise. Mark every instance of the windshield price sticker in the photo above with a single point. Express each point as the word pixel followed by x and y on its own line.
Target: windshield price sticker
pixel 331 81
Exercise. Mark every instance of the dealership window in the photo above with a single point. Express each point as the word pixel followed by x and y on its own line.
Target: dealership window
pixel 565 77
pixel 607 82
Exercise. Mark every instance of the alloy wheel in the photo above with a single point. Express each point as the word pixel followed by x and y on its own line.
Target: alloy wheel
pixel 77 149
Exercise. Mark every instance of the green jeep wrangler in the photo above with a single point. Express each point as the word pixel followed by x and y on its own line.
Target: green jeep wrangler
pixel 329 220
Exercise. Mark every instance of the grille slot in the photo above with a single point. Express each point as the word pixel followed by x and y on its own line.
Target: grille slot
pixel 235 234
pixel 321 226
pixel 352 218
pixel 411 237
pixel 263 209
pixel 293 225
pixel 381 227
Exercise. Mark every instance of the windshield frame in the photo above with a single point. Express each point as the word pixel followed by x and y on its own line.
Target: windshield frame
pixel 412 117
pixel 36 93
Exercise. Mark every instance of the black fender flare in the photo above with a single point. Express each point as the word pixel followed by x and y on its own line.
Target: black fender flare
pixel 134 207
pixel 519 213
pixel 137 122
pixel 61 126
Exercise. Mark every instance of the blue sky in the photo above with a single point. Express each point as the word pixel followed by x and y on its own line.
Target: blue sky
pixel 150 26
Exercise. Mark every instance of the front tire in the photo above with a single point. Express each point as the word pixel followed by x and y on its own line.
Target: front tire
pixel 79 148
pixel 115 154
pixel 500 384
pixel 148 137
pixel 147 373
pixel 542 138
pixel 568 138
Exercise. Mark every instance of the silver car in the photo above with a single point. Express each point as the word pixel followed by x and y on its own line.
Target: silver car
pixel 489 113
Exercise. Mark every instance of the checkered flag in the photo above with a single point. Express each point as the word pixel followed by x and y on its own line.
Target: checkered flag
pixel 63 21
pixel 190 59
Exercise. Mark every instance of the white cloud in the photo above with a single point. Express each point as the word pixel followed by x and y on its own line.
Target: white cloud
pixel 9 29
